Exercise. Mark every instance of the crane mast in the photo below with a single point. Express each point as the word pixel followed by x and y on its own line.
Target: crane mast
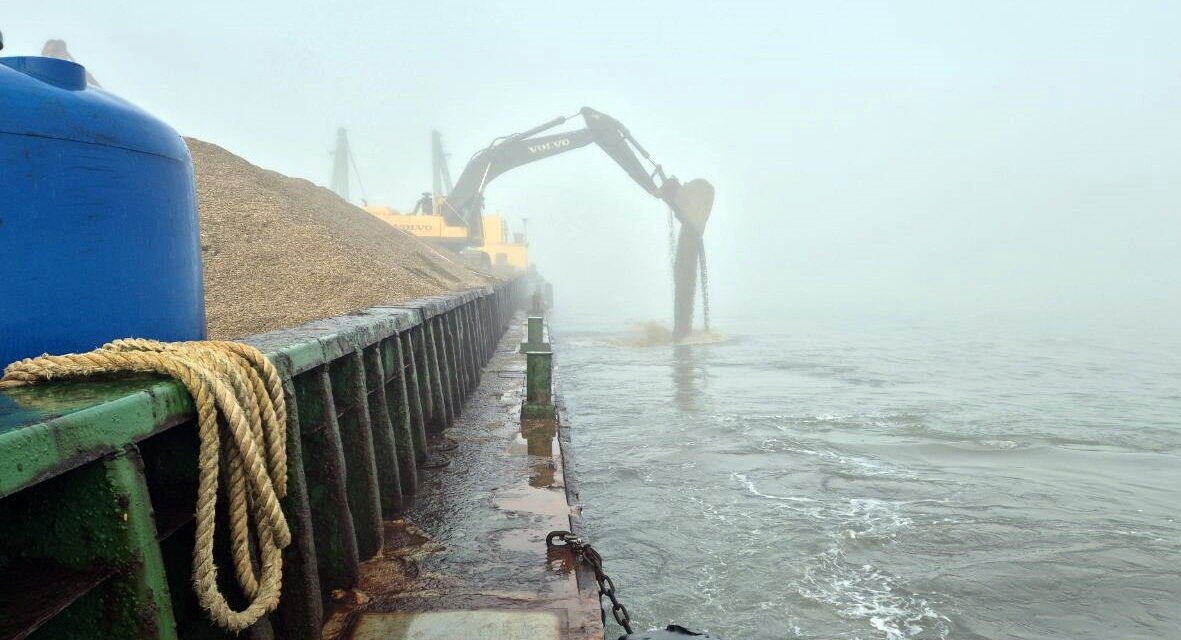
pixel 441 173
pixel 340 164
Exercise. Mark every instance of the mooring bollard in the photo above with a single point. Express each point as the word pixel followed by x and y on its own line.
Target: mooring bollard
pixel 535 336
pixel 539 402
pixel 538 303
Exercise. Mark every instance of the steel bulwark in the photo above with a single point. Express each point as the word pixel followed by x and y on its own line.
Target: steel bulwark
pixel 97 479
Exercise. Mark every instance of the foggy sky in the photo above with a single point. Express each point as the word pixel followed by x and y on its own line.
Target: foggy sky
pixel 979 160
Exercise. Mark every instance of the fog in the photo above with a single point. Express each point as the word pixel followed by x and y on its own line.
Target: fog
pixel 982 161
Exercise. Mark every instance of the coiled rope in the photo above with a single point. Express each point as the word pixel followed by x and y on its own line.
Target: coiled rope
pixel 236 384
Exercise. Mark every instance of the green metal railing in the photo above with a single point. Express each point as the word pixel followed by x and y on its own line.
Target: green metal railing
pixel 98 479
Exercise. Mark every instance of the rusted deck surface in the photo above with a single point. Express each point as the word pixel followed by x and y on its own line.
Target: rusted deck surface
pixel 469 558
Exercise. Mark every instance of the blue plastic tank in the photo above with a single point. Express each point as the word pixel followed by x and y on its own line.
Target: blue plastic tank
pixel 98 217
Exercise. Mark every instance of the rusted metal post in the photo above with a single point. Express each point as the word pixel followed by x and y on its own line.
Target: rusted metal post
pixel 405 413
pixel 301 610
pixel 417 384
pixel 490 335
pixel 481 343
pixel 471 344
pixel 356 435
pixel 324 466
pixel 459 371
pixel 145 582
pixel 385 446
pixel 458 381
pixel 440 377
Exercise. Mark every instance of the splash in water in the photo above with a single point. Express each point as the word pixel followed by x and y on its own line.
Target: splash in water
pixel 658 334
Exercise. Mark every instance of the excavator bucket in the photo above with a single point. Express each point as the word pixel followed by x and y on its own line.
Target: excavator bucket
pixel 694 201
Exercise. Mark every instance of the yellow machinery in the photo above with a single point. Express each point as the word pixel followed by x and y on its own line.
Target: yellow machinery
pixel 499 249
pixel 496 250
pixel 488 247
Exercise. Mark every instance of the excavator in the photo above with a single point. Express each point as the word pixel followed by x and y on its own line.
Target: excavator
pixel 462 206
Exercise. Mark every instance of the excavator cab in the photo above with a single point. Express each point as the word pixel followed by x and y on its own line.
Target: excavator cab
pixel 425 205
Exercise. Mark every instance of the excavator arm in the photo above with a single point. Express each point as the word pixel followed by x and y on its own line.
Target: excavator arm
pixel 691 202
pixel 464 204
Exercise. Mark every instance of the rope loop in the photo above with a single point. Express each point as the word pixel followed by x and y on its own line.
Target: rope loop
pixel 242 425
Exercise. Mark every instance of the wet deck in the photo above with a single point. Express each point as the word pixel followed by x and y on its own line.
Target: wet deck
pixel 469 559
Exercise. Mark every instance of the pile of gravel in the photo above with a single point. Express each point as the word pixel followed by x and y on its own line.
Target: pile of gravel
pixel 279 251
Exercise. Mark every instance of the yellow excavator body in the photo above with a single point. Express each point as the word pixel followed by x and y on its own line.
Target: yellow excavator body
pixel 427 227
pixel 503 251
pixel 499 251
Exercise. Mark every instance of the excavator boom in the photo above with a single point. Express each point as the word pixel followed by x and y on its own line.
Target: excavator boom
pixel 464 204
pixel 691 202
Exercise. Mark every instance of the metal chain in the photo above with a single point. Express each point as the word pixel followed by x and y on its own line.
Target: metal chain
pixel 672 250
pixel 606 586
pixel 704 286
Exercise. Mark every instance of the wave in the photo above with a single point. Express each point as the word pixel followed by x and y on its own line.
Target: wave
pixel 864 591
pixel 860 591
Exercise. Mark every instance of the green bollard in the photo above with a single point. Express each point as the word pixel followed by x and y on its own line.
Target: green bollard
pixel 535 337
pixel 539 401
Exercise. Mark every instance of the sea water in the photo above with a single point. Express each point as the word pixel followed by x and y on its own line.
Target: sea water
pixel 889 480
